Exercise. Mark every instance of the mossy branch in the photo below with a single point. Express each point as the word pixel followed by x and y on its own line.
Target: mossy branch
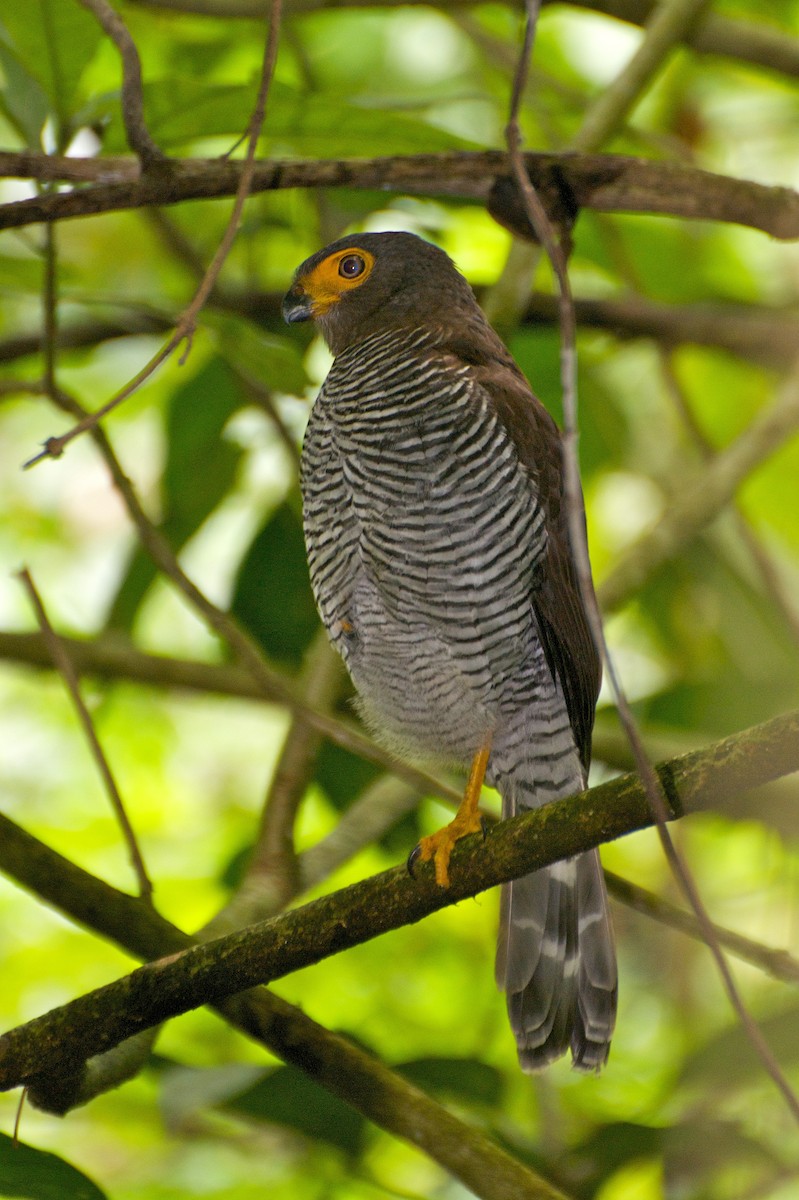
pixel 331 1060
pixel 60 1041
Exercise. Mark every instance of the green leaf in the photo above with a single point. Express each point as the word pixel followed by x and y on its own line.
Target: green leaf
pixel 728 1061
pixel 274 361
pixel 464 1079
pixel 182 110
pixel 273 597
pixel 288 1097
pixel 21 99
pixel 199 472
pixel 200 466
pixel 699 1149
pixel 343 775
pixel 37 1175
pixel 53 40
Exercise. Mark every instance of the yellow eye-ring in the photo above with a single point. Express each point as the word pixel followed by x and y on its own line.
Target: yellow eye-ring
pixel 336 275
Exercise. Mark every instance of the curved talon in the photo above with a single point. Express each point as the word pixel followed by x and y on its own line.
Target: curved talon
pixel 412 860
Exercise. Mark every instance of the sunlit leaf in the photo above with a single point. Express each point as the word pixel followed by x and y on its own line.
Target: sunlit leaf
pixel 53 41
pixel 182 110
pixel 199 471
pixel 287 1097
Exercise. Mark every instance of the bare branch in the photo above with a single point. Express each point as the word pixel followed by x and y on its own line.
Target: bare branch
pixel 66 670
pixel 607 183
pixel 332 1060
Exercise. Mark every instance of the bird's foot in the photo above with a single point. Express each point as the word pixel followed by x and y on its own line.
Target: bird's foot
pixel 439 846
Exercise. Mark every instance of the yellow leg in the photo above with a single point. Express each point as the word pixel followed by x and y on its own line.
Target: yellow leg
pixel 439 846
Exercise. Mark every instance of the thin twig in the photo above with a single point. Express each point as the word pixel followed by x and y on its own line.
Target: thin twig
pixel 136 131
pixel 579 547
pixel 66 670
pixel 54 446
pixel 18 1117
pixel 186 253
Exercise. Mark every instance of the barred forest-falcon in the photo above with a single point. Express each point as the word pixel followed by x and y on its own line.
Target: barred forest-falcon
pixel 436 530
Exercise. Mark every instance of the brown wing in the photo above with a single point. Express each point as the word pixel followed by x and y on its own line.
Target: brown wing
pixel 568 644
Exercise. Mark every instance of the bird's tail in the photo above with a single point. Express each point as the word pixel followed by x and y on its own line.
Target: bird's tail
pixel 557 963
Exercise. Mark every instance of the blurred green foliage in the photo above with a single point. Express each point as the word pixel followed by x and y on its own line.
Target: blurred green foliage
pixel 708 646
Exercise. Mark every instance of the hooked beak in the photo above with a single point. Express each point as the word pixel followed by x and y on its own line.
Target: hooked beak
pixel 297 306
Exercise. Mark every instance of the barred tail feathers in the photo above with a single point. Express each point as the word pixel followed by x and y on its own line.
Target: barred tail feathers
pixel 556 962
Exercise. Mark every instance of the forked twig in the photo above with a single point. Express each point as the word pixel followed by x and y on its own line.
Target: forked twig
pixel 646 772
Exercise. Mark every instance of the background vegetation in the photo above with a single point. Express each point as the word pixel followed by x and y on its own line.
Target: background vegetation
pixel 688 336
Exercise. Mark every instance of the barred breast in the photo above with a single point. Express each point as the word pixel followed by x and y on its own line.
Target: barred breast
pixel 423 532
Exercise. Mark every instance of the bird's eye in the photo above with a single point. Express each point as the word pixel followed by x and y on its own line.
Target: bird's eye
pixel 352 266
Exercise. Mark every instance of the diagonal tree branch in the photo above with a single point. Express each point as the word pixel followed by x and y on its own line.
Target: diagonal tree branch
pixel 779 964
pixel 667 25
pixel 63 1039
pixel 699 502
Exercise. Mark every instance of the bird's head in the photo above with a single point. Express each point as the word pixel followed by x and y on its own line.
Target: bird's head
pixel 371 282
